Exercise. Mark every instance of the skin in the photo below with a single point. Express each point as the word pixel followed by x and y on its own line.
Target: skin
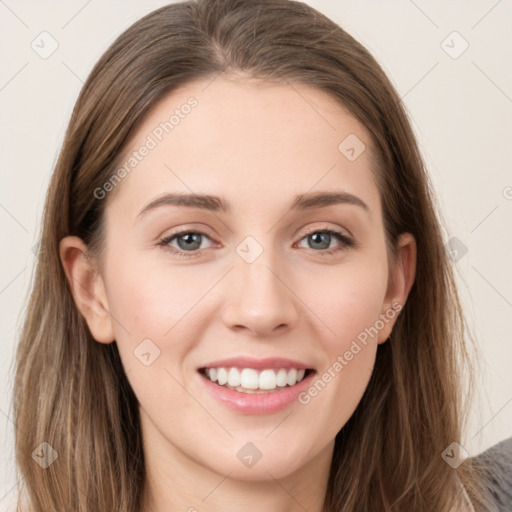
pixel 257 145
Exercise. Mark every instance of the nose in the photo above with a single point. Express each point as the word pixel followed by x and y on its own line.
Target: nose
pixel 260 299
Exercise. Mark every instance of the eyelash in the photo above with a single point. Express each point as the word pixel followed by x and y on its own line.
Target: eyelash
pixel 346 243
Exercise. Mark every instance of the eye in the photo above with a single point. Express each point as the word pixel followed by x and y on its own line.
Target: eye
pixel 188 242
pixel 321 240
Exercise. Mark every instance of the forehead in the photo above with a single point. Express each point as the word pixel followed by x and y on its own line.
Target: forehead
pixel 249 140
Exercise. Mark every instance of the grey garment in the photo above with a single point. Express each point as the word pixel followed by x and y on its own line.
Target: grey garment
pixel 498 460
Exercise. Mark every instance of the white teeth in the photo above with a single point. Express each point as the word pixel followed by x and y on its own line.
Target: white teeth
pixel 267 379
pixel 282 377
pixel 222 376
pixel 234 377
pixel 292 377
pixel 250 380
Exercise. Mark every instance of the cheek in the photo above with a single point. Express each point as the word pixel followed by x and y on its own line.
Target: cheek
pixel 349 357
pixel 348 300
pixel 155 310
pixel 153 301
pixel 349 304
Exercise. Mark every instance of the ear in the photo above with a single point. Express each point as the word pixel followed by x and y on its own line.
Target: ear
pixel 87 288
pixel 400 282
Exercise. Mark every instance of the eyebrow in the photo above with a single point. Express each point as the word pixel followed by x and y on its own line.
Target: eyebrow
pixel 217 204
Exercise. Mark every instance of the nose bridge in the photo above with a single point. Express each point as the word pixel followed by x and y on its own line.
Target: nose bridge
pixel 260 299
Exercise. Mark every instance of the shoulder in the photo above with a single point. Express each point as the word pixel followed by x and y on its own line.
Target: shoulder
pixel 497 461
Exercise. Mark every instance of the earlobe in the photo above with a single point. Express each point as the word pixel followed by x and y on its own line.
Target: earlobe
pixel 400 283
pixel 87 288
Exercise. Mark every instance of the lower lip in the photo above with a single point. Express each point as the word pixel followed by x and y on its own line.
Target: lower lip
pixel 257 403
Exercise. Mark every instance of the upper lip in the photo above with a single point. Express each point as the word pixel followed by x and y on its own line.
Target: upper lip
pixel 257 364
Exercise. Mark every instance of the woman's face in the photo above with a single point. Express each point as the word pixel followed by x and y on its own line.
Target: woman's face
pixel 265 286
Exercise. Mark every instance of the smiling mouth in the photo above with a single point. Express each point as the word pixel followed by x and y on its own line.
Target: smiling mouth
pixel 253 381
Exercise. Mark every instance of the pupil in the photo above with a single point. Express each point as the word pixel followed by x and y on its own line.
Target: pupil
pixel 189 238
pixel 315 238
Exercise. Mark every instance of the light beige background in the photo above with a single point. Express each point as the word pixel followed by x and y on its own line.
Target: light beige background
pixel 461 109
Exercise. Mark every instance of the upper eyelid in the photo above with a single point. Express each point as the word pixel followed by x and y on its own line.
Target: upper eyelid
pixel 308 231
pixel 343 231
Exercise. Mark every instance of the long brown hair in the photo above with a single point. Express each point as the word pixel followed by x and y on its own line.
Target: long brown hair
pixel 71 392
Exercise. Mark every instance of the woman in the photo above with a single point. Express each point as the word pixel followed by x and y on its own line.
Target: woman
pixel 243 299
